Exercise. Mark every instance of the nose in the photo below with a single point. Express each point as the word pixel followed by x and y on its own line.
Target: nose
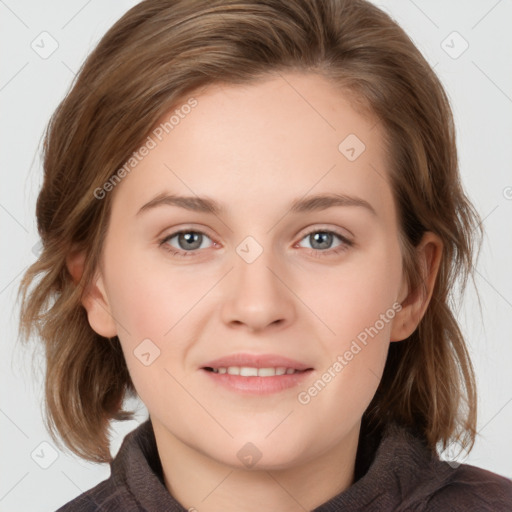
pixel 258 296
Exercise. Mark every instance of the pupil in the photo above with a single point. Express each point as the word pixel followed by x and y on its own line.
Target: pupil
pixel 322 239
pixel 192 240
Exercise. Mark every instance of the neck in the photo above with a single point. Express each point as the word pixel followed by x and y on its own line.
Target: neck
pixel 202 483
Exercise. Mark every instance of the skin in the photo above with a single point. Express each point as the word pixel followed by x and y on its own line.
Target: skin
pixel 254 149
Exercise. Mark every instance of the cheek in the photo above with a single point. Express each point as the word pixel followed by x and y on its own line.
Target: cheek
pixel 149 298
pixel 356 294
pixel 357 307
pixel 157 309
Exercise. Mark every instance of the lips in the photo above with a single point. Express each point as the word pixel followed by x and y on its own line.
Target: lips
pixel 262 361
pixel 250 371
pixel 256 374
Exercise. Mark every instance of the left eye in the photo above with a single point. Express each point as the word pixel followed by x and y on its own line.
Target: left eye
pixel 323 240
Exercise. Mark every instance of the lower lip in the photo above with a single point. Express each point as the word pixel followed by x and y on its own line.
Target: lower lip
pixel 258 385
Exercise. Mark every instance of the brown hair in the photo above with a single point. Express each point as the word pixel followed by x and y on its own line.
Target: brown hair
pixel 159 52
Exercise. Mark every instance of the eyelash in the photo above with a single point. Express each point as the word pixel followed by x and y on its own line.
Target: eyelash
pixel 317 253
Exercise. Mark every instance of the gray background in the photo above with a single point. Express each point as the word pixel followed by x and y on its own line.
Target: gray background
pixel 479 83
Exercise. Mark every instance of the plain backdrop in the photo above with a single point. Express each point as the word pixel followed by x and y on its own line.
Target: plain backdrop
pixel 469 43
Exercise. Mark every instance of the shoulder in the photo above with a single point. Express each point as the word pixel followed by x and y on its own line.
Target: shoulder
pixel 134 484
pixel 471 489
pixel 105 497
pixel 428 484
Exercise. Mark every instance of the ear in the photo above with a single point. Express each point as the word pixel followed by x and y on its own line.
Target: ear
pixel 94 298
pixel 415 302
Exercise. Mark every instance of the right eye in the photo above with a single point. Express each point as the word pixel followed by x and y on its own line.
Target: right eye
pixel 185 242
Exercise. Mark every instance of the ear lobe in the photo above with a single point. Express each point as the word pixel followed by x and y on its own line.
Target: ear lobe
pixel 94 297
pixel 415 303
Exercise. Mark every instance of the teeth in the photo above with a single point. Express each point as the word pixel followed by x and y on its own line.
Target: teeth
pixel 266 372
pixel 247 371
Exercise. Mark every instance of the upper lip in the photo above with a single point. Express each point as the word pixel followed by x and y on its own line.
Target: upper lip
pixel 256 361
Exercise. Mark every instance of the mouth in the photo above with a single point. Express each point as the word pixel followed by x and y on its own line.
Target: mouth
pixel 248 371
pixel 256 374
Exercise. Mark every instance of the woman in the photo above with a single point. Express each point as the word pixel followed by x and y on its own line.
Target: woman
pixel 252 219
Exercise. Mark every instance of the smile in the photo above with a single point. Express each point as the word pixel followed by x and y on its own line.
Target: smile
pixel 247 371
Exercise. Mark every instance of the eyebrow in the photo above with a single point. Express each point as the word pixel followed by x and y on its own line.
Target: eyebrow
pixel 207 205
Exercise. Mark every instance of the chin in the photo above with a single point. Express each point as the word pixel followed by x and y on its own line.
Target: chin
pixel 254 453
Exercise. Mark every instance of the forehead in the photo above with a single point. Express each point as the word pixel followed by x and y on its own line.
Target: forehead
pixel 267 142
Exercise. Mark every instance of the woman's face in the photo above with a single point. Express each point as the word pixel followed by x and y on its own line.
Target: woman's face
pixel 260 332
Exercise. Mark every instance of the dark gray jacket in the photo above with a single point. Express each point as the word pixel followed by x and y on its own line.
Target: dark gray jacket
pixel 394 472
